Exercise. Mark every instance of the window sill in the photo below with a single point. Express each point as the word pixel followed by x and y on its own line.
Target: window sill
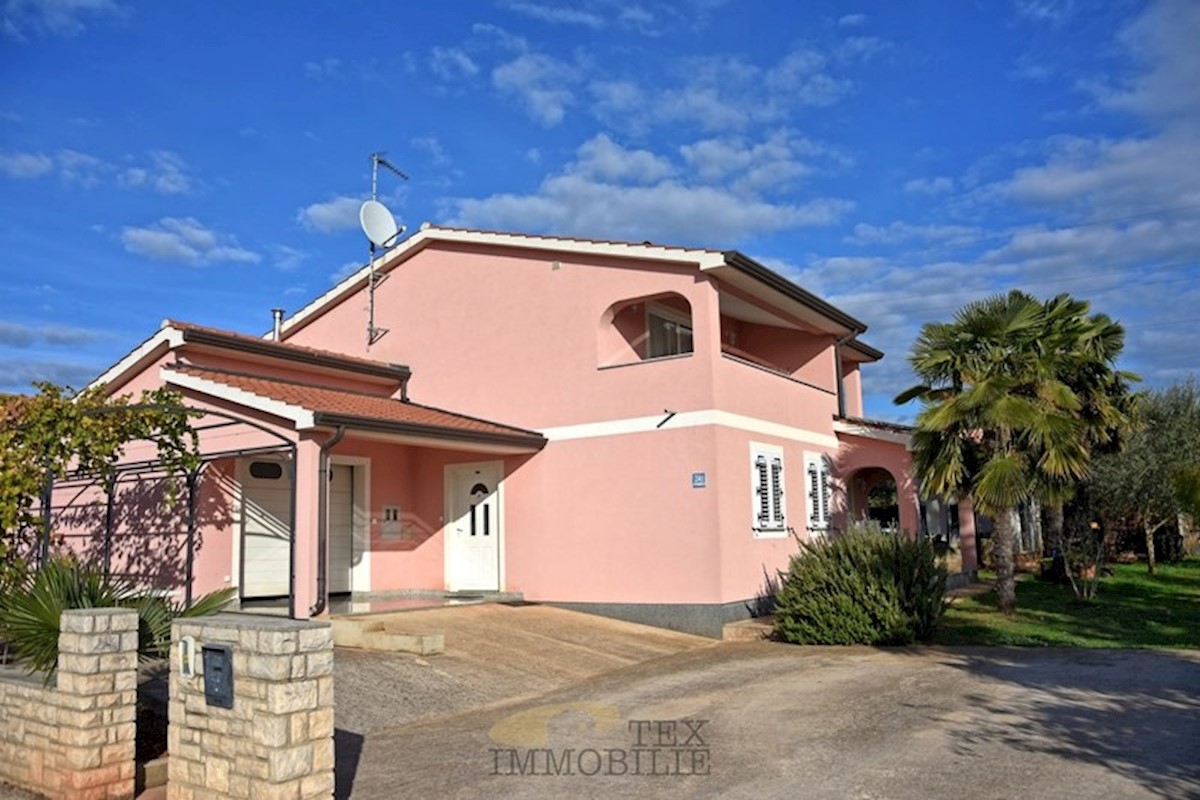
pixel 770 533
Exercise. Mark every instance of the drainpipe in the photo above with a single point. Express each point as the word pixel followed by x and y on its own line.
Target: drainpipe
pixel 277 323
pixel 837 364
pixel 318 608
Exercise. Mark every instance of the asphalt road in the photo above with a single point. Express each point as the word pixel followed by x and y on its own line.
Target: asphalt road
pixel 763 720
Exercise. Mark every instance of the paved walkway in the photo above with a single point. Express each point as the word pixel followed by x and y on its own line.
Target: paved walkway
pixel 764 720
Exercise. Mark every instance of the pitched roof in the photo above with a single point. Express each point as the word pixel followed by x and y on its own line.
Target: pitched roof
pixel 326 406
pixel 727 265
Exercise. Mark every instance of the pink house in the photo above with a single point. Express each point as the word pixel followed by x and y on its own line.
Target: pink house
pixel 624 428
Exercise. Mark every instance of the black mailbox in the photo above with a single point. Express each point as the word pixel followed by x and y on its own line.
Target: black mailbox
pixel 218 675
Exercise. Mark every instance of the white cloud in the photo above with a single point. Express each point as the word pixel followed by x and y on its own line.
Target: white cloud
pixel 25 165
pixel 451 63
pixel 285 257
pixel 184 240
pixel 432 148
pixel 166 174
pixel 337 214
pixel 17 374
pixel 852 20
pixel 556 15
pixel 779 160
pixel 506 40
pixel 603 159
pixel 634 194
pixel 930 186
pixel 345 271
pixel 897 232
pixel 15 334
pixel 1163 41
pixel 325 68
pixel 724 92
pixel 1051 12
pixel 81 168
pixel 541 83
pixel 53 17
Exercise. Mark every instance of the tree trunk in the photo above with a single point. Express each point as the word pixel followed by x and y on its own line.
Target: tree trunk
pixel 1149 545
pixel 1003 539
pixel 1035 527
pixel 1054 525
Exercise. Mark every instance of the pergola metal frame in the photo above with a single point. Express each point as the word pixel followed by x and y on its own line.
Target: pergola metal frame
pixel 191 479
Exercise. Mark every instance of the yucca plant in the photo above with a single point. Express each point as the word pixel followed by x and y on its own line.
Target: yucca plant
pixel 30 614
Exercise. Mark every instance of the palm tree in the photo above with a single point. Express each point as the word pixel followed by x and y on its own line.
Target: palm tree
pixel 1091 346
pixel 998 422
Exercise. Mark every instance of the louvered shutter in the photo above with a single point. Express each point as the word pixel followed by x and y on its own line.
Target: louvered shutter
pixel 826 510
pixel 762 488
pixel 814 494
pixel 777 515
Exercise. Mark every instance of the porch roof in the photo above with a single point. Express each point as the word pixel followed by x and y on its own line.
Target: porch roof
pixel 309 406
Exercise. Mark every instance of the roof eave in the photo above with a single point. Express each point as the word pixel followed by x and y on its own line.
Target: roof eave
pixel 530 441
pixel 267 348
pixel 775 281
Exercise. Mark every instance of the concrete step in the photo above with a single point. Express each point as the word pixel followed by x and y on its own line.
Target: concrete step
pixel 748 630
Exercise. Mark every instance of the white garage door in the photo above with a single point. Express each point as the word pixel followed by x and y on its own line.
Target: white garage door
pixel 266 529
pixel 341 527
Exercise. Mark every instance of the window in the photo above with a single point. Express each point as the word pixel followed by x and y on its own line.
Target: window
pixel 820 498
pixel 266 470
pixel 766 478
pixel 669 332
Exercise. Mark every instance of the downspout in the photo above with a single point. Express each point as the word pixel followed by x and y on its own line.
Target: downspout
pixel 318 608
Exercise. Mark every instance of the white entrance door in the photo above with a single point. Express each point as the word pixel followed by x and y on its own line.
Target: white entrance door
pixel 266 528
pixel 341 527
pixel 473 529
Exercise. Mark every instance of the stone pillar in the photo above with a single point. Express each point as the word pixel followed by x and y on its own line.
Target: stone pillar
pixel 966 533
pixel 96 702
pixel 277 739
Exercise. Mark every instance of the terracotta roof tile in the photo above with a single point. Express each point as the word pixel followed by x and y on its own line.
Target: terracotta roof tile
pixel 356 405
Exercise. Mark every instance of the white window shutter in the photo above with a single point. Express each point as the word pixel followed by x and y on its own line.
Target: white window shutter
pixel 762 488
pixel 826 499
pixel 777 515
pixel 814 494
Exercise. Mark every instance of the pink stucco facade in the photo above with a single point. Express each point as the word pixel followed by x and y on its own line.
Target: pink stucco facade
pixel 642 493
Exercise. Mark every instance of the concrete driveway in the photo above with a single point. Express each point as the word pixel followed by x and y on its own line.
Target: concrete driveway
pixel 764 720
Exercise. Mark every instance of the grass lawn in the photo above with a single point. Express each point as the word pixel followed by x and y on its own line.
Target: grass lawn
pixel 1131 609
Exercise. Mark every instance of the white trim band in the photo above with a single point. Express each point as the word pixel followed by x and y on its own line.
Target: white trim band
pixel 688 419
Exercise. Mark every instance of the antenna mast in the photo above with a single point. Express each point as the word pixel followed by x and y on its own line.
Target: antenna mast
pixel 374 334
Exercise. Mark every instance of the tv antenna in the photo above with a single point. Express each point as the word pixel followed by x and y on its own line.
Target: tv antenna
pixel 382 231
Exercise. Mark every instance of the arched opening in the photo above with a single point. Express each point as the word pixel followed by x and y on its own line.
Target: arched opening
pixel 645 328
pixel 872 497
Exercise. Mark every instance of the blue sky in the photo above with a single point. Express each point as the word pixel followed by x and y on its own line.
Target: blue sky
pixel 205 161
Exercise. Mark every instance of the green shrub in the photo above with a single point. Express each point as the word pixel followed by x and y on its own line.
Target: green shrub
pixel 861 588
pixel 30 613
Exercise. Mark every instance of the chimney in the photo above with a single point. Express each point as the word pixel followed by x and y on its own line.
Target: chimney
pixel 277 326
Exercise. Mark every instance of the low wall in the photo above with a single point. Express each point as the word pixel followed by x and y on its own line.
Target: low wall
pixel 75 738
pixel 276 739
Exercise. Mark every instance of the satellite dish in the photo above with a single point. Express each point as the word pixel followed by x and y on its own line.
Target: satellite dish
pixel 378 223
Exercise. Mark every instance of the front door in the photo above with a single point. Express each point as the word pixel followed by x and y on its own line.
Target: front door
pixel 473 529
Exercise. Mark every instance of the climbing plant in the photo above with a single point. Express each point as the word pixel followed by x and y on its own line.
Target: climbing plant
pixel 58 432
